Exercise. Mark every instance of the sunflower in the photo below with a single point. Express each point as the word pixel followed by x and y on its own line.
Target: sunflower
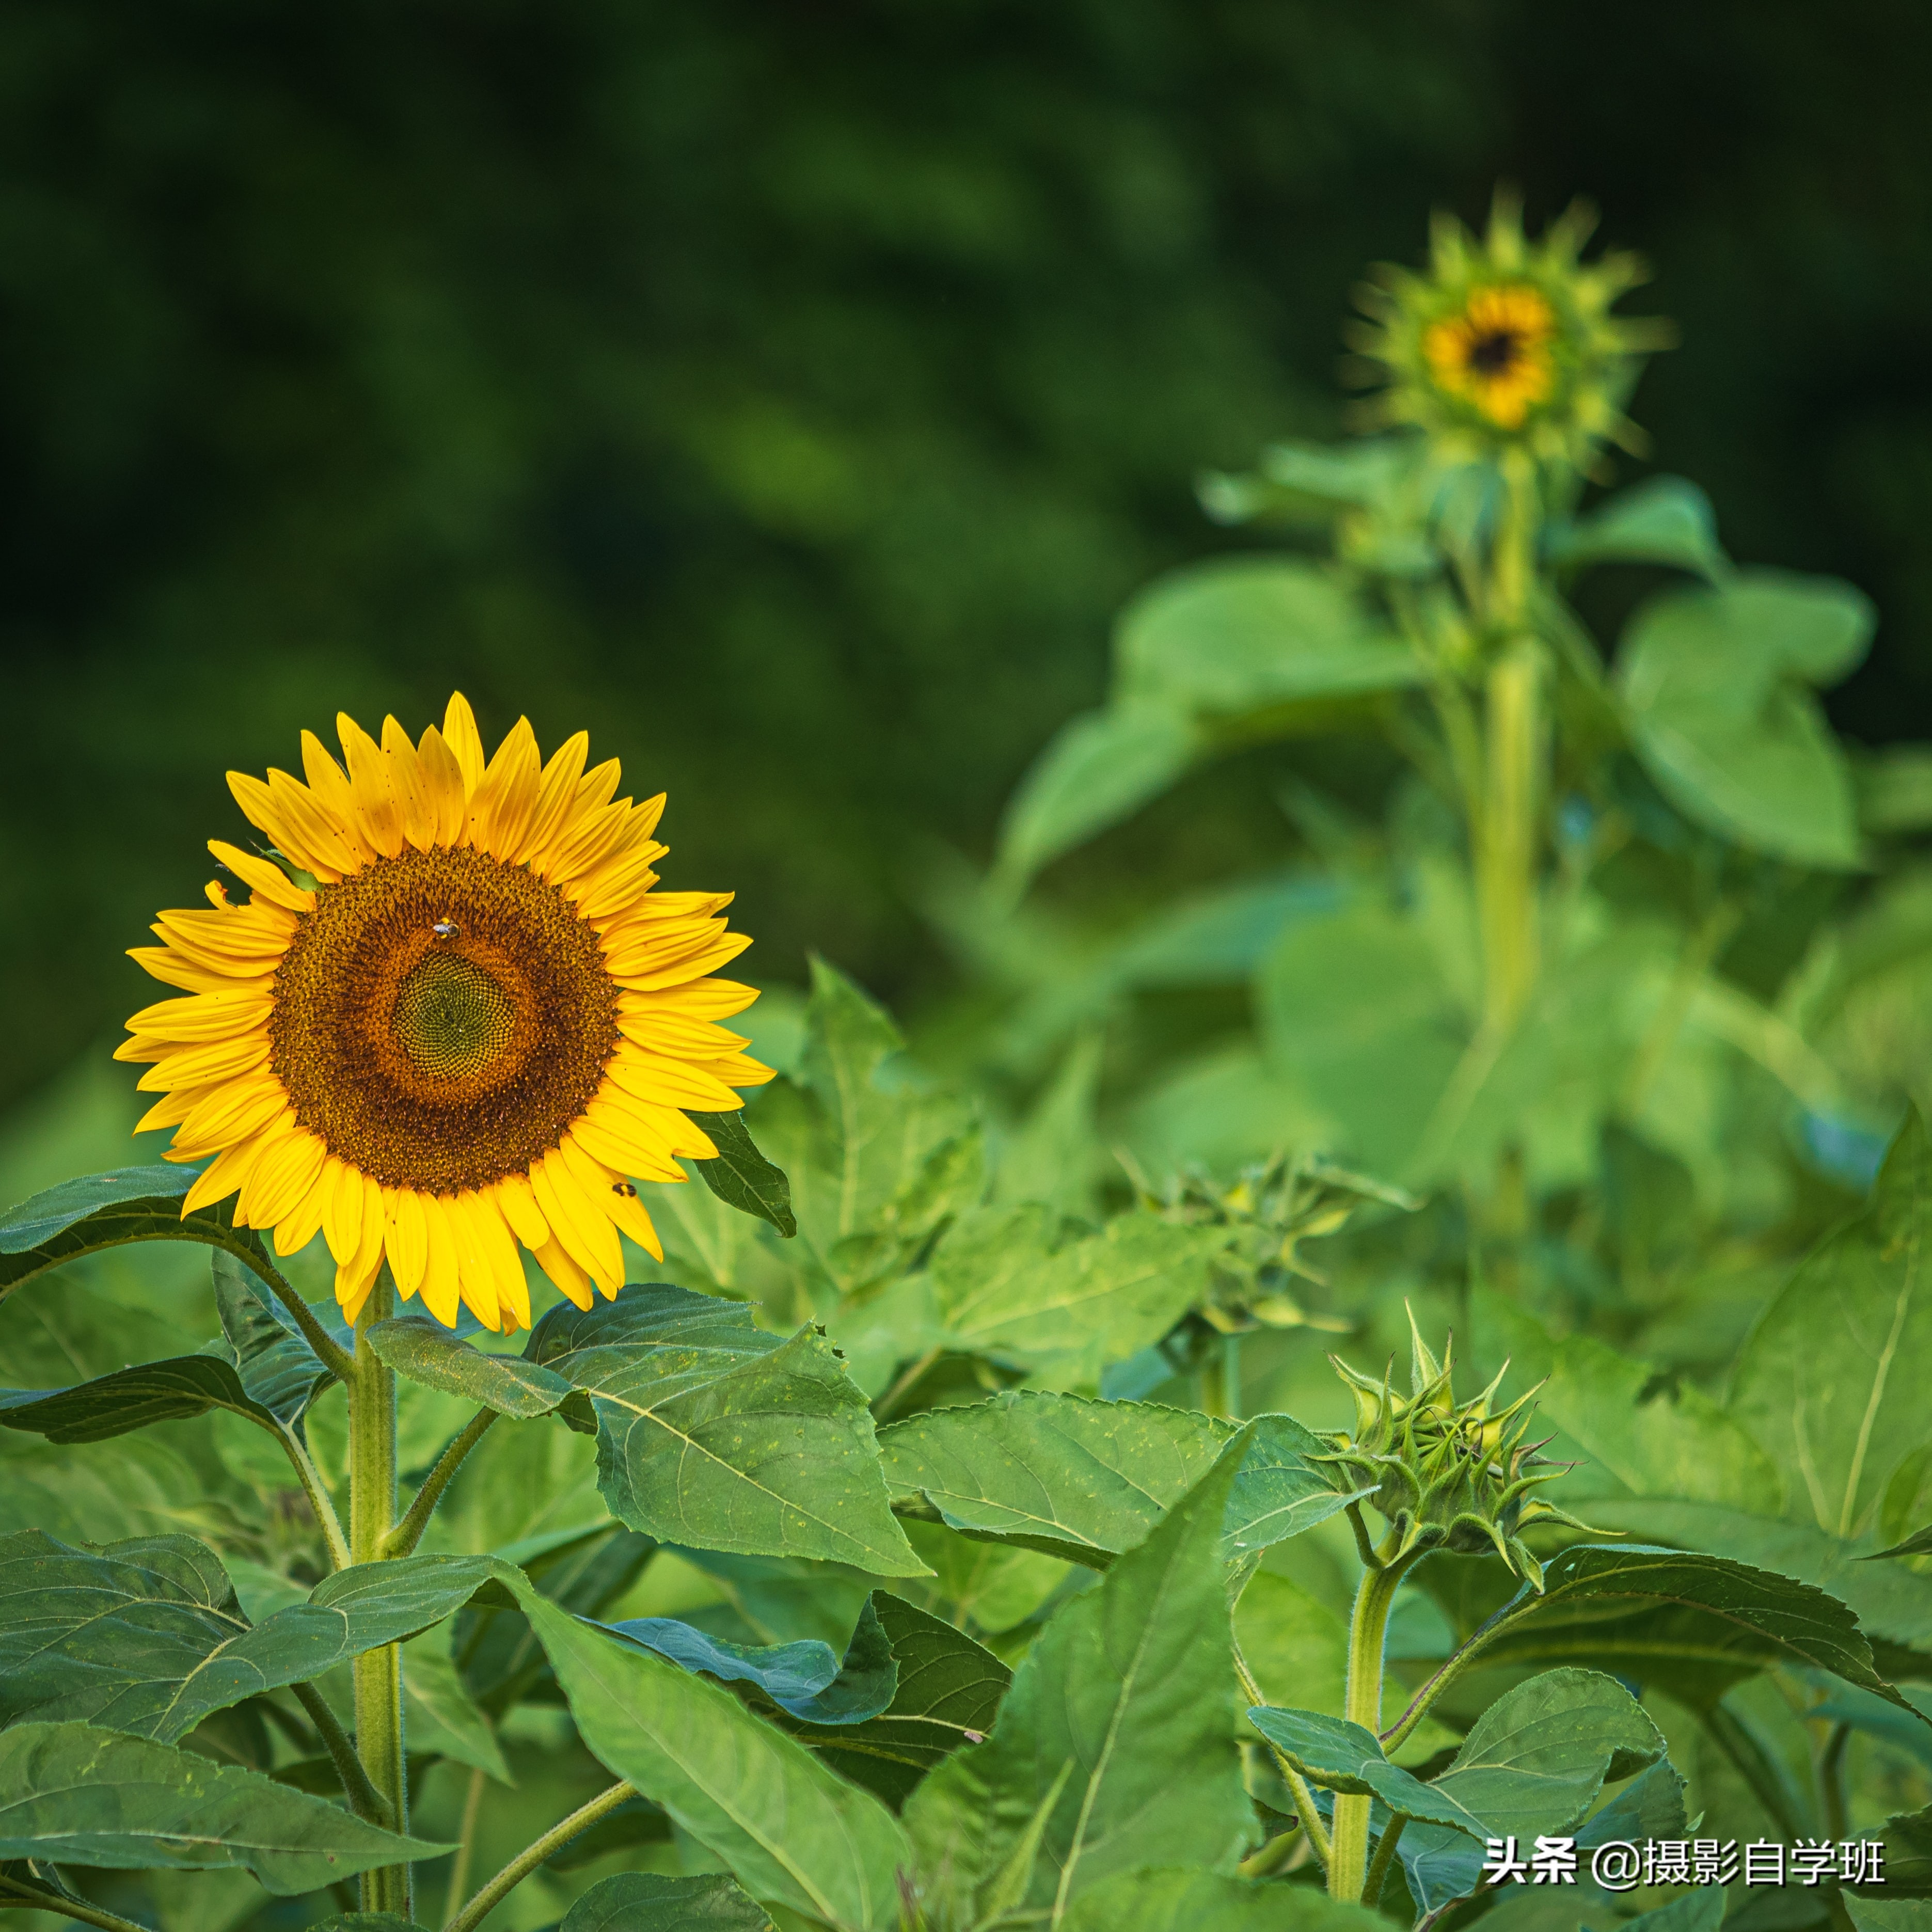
pixel 450 1018
pixel 1507 343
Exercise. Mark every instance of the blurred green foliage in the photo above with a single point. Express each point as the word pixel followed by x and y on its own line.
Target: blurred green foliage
pixel 795 392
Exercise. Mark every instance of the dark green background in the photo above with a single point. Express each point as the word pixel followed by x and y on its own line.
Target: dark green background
pixel 790 391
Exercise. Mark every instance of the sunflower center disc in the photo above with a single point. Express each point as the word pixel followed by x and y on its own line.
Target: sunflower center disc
pixel 440 1019
pixel 452 1019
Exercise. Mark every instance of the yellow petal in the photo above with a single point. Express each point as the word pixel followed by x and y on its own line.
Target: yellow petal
pixel 611 1198
pixel 465 742
pixel 295 824
pixel 692 966
pixel 475 1265
pixel 411 787
pixel 260 876
pixel 623 1145
pixel 659 1031
pixel 742 1070
pixel 176 969
pixel 441 1282
pixel 571 1280
pixel 520 1210
pixel 586 843
pixel 303 1222
pixel 578 1221
pixel 666 1081
pixel 354 1278
pixel 408 1239
pixel 499 813
pixel 443 777
pixel 201 1066
pixel 282 1180
pixel 379 810
pixel 628 1211
pixel 220 1178
pixel 232 1112
pixel 556 795
pixel 616 884
pixel 342 1223
pixel 701 1000
pixel 171 1111
pixel 328 785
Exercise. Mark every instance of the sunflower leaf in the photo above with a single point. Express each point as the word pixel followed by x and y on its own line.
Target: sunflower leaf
pixel 427 1354
pixel 741 1176
pixel 278 1369
pixel 713 1434
pixel 82 1796
pixel 651 1902
pixel 131 1399
pixel 106 1210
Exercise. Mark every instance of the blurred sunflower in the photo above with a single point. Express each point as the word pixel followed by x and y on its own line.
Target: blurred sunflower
pixel 1507 343
pixel 475 1029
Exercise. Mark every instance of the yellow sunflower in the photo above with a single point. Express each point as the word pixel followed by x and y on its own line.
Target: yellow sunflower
pixel 1495 351
pixel 474 1028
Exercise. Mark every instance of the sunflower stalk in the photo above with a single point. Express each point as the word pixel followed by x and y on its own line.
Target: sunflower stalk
pixel 372 1516
pixel 403 1539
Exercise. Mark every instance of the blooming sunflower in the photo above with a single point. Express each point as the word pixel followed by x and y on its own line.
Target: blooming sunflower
pixel 1507 343
pixel 451 1017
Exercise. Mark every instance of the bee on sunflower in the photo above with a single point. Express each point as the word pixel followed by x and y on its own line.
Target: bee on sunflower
pixel 451 1020
pixel 1506 345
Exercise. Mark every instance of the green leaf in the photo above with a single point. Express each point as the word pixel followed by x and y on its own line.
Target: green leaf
pixel 442 1719
pixel 1692 1623
pixel 1131 1683
pixel 131 1399
pixel 105 1210
pixel 278 1369
pixel 650 1902
pixel 426 1353
pixel 741 1176
pixel 1717 683
pixel 365 1921
pixel 1098 769
pixel 1700 1910
pixel 1183 1898
pixel 1832 1378
pixel 947 1695
pixel 1239 635
pixel 712 1433
pixel 792 1831
pixel 1022 1282
pixel 806 1679
pixel 1662 520
pixel 1340 1756
pixel 146 1636
pixel 1894 788
pixel 1918 1544
pixel 78 1795
pixel 1085 1480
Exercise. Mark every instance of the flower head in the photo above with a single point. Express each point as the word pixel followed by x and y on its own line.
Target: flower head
pixel 450 1017
pixel 1507 343
pixel 1447 1475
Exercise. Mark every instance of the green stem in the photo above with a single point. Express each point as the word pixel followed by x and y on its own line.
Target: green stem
pixel 17 1895
pixel 1384 1857
pixel 407 1534
pixel 526 1861
pixel 1312 1826
pixel 466 1845
pixel 1368 1627
pixel 313 1487
pixel 1507 842
pixel 363 1795
pixel 372 1516
pixel 1831 1780
pixel 334 1357
pixel 1753 1764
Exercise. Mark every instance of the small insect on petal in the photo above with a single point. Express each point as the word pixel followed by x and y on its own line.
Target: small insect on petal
pixel 624 1188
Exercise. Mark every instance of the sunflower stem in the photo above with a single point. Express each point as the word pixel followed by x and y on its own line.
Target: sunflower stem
pixel 364 1798
pixel 407 1534
pixel 372 1516
pixel 533 1854
pixel 334 1358
pixel 313 1487
pixel 1368 1628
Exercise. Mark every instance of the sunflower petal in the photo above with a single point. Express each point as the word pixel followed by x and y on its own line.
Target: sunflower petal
pixel 570 1280
pixel 198 1065
pixel 408 1240
pixel 262 876
pixel 556 795
pixel 499 814
pixel 303 1222
pixel 378 806
pixel 520 1208
pixel 465 742
pixel 411 788
pixel 443 777
pixel 578 1221
pixel 442 1276
pixel 342 1224
pixel 329 785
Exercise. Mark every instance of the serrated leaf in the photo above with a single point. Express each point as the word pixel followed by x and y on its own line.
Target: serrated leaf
pixel 146 1636
pixel 791 1831
pixel 947 1695
pixel 1023 1283
pixel 131 1399
pixel 1085 1480
pixel 1692 1623
pixel 1132 1682
pixel 79 1795
pixel 713 1433
pixel 741 1176
pixel 651 1902
pixel 1340 1756
pixel 106 1210
pixel 806 1679
pixel 426 1353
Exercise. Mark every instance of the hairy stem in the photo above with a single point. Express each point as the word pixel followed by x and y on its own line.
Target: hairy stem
pixel 336 1360
pixel 367 1800
pixel 466 1845
pixel 313 1487
pixel 1384 1857
pixel 15 1895
pixel 526 1861
pixel 407 1534
pixel 372 1515
pixel 1368 1627
pixel 1506 842
pixel 1312 1827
